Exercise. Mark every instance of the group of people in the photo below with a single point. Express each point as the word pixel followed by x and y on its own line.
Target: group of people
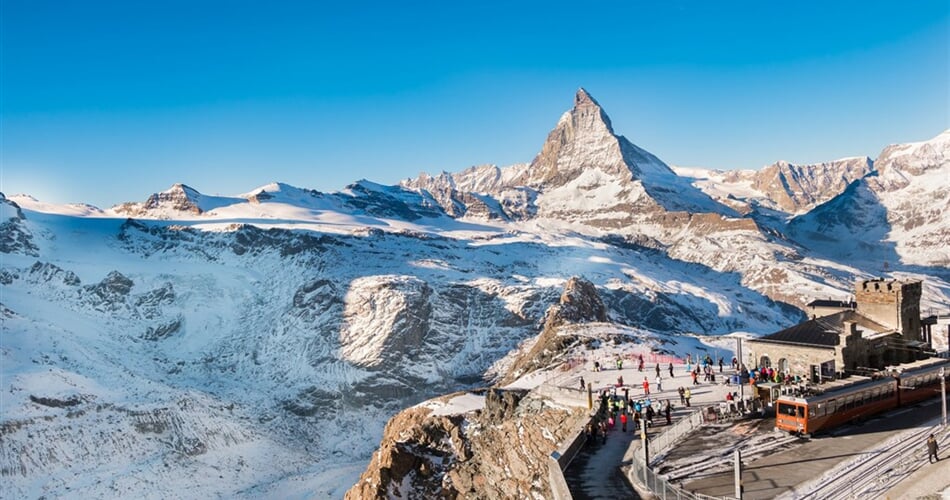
pixel 616 409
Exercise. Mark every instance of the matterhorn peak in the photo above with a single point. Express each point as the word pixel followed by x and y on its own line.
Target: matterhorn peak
pixel 582 97
pixel 582 140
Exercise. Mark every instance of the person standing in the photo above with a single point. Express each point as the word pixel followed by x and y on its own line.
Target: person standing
pixel 646 387
pixel 659 380
pixel 671 369
pixel 682 395
pixel 623 421
pixel 668 409
pixel 657 369
pixel 720 364
pixel 686 395
pixel 932 449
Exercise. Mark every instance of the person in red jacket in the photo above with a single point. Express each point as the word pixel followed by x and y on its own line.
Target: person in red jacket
pixel 646 387
pixel 623 421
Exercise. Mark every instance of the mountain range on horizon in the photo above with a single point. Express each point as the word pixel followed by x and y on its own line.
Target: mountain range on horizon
pixel 264 339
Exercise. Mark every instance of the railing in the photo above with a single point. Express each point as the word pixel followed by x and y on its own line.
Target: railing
pixel 560 459
pixel 639 471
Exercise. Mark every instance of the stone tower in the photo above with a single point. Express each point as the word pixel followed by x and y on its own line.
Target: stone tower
pixel 892 303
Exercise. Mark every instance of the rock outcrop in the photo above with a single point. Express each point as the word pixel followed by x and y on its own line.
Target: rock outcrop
pixel 499 451
pixel 15 237
pixel 579 303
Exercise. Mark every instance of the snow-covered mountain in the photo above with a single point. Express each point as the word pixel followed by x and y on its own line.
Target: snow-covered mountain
pixel 255 345
pixel 895 215
pixel 782 186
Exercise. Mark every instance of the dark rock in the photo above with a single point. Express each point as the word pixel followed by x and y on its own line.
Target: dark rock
pixel 56 403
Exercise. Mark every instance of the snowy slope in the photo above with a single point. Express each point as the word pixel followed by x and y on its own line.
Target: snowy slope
pixel 255 345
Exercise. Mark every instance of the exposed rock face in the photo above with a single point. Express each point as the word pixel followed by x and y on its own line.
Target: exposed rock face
pixel 51 273
pixel 15 237
pixel 582 140
pixel 179 198
pixel 580 303
pixel 500 451
pixel 385 319
pixel 795 188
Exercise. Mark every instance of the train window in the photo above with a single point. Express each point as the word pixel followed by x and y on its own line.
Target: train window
pixel 811 412
pixel 801 412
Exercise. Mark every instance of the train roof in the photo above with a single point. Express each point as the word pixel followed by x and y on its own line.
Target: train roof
pixel 838 388
pixel 919 366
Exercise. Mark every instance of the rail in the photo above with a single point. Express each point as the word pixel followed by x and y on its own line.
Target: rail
pixel 875 471
pixel 640 473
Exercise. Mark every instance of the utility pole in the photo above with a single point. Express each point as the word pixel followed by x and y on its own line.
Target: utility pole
pixel 943 393
pixel 739 368
pixel 737 457
pixel 645 444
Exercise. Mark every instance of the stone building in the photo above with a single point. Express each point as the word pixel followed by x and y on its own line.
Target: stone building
pixel 882 327
pixel 818 308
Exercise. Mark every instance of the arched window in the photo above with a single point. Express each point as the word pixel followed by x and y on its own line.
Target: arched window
pixel 783 366
pixel 765 362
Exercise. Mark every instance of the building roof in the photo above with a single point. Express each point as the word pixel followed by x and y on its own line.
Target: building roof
pixel 824 331
pixel 832 303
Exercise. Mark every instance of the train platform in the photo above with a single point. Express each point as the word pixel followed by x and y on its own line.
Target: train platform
pixel 784 472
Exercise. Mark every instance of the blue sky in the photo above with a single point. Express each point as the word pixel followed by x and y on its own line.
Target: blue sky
pixel 104 102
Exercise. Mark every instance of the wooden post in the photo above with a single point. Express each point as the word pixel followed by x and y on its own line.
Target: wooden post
pixel 590 397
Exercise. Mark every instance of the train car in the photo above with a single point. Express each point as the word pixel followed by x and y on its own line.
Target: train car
pixel 921 380
pixel 859 397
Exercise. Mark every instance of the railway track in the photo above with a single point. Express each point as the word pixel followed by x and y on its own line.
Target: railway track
pixel 723 460
pixel 875 471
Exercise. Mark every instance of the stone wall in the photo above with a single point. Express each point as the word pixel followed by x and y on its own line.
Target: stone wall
pixel 892 303
pixel 800 358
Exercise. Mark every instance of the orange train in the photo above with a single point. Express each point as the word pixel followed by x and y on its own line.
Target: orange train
pixel 860 399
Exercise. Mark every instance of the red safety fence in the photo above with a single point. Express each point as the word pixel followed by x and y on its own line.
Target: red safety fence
pixel 654 358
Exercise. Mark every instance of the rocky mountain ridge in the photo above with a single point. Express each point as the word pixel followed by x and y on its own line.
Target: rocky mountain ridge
pixel 498 447
pixel 264 339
